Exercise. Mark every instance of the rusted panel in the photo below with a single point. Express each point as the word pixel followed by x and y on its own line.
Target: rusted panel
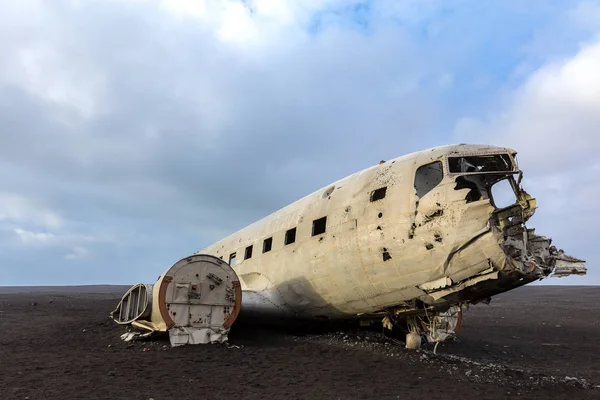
pixel 162 301
pixel 237 307
pixel 196 301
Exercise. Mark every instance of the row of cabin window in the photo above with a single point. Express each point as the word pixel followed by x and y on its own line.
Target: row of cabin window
pixel 318 227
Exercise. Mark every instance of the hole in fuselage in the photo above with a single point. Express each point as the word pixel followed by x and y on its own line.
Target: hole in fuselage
pixel 378 194
pixel 386 255
pixel 328 192
pixel 477 187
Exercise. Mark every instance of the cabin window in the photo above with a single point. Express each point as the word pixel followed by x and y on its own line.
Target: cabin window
pixel 378 194
pixel 290 236
pixel 248 252
pixel 267 244
pixel 427 177
pixel 319 226
pixel 232 259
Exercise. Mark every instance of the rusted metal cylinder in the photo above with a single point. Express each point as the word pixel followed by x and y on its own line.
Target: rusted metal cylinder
pixel 196 301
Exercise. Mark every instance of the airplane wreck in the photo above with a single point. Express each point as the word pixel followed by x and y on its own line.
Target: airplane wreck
pixel 408 242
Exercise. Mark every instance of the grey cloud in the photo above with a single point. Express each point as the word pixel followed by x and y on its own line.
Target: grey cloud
pixel 166 139
pixel 552 120
pixel 189 140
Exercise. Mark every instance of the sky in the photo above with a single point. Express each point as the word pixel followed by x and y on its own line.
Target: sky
pixel 136 132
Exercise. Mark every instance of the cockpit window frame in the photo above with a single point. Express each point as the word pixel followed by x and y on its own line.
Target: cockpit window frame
pixel 423 191
pixel 448 171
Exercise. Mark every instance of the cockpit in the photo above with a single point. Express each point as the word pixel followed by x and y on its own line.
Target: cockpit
pixel 488 176
pixel 481 164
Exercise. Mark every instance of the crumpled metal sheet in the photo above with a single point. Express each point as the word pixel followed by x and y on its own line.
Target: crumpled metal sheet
pixel 180 335
pixel 436 284
pixel 135 335
pixel 458 287
pixel 444 325
pixel 567 265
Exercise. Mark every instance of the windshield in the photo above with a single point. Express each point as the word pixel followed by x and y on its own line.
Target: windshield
pixel 481 164
pixel 485 177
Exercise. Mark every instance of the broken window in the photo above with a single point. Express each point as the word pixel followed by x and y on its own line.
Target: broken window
pixel 290 236
pixel 319 226
pixel 248 252
pixel 503 194
pixel 427 177
pixel 476 184
pixel 497 188
pixel 470 164
pixel 267 244
pixel 232 259
pixel 378 194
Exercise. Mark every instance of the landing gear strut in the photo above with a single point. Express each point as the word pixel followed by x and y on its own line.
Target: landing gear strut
pixel 435 327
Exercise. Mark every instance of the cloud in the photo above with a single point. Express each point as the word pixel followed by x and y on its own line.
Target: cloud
pixel 554 116
pixel 44 67
pixel 143 130
pixel 194 109
pixel 586 14
pixel 17 208
pixel 77 253
pixel 29 237
pixel 553 120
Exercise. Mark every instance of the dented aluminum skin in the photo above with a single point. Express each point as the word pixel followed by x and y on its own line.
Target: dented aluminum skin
pixel 435 240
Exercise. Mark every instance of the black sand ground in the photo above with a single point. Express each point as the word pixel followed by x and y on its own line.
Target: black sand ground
pixel 537 342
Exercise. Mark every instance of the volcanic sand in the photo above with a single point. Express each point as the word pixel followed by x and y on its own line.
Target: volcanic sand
pixel 533 342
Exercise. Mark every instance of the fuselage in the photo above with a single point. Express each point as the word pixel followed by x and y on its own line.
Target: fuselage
pixel 405 230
